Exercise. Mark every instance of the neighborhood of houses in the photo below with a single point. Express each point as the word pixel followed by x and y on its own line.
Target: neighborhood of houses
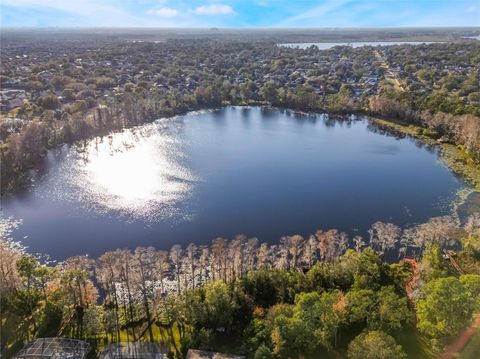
pixel 77 76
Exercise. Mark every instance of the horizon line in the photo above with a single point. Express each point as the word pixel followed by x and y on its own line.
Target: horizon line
pixel 245 28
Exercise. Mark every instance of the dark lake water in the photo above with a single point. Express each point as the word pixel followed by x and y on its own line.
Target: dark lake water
pixel 192 178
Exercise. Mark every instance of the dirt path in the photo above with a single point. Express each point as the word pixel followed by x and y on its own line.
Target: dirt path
pixel 461 340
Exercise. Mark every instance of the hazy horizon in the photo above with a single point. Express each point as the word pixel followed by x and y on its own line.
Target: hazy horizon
pixel 251 14
pixel 272 28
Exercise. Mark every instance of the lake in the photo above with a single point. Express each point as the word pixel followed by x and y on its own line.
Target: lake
pixel 257 171
pixel 329 45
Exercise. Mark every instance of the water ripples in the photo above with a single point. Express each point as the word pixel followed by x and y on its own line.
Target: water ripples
pixel 138 173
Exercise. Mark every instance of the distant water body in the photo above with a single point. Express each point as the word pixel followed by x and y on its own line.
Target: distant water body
pixel 329 45
pixel 477 37
pixel 257 171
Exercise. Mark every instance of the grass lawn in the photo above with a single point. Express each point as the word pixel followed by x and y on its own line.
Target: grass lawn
pixel 414 345
pixel 472 349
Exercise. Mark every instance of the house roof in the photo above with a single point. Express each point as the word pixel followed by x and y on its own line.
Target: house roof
pixel 55 348
pixel 134 350
pixel 200 354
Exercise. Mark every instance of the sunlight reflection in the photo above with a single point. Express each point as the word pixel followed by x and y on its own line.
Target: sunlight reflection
pixel 138 172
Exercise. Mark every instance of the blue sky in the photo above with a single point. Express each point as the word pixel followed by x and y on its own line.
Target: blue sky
pixel 238 13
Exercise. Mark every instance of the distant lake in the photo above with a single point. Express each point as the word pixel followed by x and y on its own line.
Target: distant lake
pixel 329 45
pixel 256 171
pixel 477 37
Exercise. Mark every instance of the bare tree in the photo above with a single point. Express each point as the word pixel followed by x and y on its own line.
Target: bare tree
pixel 440 230
pixel 331 244
pixel 163 266
pixel 295 246
pixel 126 283
pixel 263 256
pixel 192 258
pixel 185 272
pixel 281 254
pixel 310 251
pixel 408 239
pixel 108 273
pixel 358 243
pixel 236 255
pixel 472 225
pixel 219 252
pixel 144 264
pixel 323 244
pixel 10 252
pixel 176 258
pixel 250 253
pixel 203 262
pixel 384 236
pixel 341 244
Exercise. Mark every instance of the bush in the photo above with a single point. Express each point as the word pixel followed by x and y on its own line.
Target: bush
pixel 375 345
pixel 49 102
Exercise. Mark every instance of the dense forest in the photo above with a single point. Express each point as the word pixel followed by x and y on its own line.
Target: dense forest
pixel 300 297
pixel 102 85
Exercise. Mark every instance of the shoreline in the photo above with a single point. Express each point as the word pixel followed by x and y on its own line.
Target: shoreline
pixel 457 160
pixel 457 203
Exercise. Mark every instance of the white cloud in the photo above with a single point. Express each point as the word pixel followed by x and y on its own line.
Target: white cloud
pixel 93 13
pixel 214 9
pixel 163 11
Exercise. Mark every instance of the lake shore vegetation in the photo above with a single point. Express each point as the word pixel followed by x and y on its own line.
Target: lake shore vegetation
pixel 325 295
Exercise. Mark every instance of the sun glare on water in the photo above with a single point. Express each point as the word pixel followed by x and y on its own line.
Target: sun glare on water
pixel 137 173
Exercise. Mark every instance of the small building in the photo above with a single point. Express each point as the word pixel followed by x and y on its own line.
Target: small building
pixel 200 354
pixel 54 348
pixel 134 350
